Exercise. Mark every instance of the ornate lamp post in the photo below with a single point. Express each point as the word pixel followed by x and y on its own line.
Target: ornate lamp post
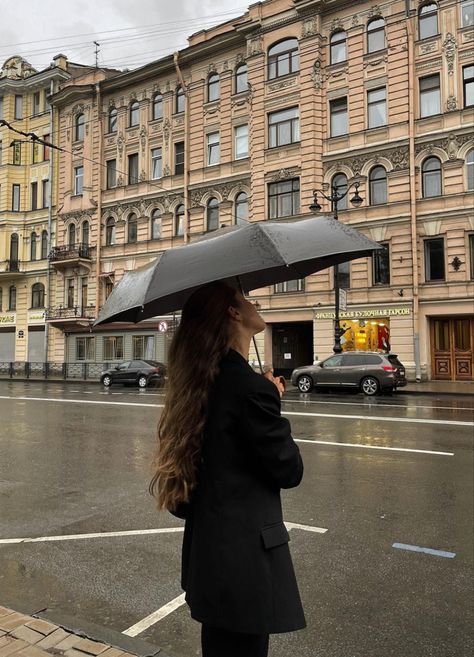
pixel 335 198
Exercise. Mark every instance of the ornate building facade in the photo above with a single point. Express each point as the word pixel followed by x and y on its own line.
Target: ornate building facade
pixel 244 124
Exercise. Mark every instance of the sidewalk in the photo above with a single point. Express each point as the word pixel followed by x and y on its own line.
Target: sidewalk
pixel 439 388
pixel 22 635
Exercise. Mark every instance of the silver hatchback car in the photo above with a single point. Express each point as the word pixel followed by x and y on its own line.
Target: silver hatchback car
pixel 370 372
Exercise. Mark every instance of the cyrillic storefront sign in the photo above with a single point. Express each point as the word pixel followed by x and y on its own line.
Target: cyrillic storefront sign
pixel 8 320
pixel 364 313
pixel 36 317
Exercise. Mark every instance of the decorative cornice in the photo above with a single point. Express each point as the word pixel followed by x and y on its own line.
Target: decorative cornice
pixel 223 189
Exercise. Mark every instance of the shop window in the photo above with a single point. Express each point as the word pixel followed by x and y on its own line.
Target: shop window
pixel 339 186
pixel 113 348
pixel 375 35
pixel 434 259
pixel 85 349
pixel 381 266
pixel 428 20
pixel 338 47
pixel 366 335
pixel 283 58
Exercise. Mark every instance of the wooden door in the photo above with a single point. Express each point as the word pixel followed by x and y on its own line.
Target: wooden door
pixel 452 348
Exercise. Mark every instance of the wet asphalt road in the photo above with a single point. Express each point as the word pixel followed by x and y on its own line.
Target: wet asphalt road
pixel 75 467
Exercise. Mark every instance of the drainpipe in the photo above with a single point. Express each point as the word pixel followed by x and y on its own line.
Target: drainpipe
pixel 414 236
pixel 99 200
pixel 50 222
pixel 186 146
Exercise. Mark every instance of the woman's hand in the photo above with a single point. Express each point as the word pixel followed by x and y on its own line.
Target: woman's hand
pixel 279 381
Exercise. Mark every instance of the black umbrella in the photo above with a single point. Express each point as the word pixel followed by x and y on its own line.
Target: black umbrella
pixel 256 254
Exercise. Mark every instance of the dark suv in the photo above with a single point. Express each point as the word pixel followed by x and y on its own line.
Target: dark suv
pixel 140 372
pixel 370 372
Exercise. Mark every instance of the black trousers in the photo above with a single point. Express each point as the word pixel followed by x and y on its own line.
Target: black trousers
pixel 223 643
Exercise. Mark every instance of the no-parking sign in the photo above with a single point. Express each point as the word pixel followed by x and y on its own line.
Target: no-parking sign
pixel 163 327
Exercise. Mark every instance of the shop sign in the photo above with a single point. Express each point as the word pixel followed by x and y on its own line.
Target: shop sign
pixel 355 314
pixel 36 317
pixel 342 300
pixel 7 319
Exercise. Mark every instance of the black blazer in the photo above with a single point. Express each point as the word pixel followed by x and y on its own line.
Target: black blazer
pixel 236 564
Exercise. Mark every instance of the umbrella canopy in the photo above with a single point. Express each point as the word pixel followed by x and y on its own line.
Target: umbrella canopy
pixel 258 253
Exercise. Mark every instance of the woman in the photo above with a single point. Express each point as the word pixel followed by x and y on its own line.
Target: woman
pixel 224 453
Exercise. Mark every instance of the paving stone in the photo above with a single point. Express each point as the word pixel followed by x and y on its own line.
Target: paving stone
pixel 12 621
pixel 27 634
pixel 31 651
pixel 69 642
pixel 4 611
pixel 12 647
pixel 91 647
pixel 42 626
pixel 53 639
pixel 4 640
pixel 112 652
pixel 74 652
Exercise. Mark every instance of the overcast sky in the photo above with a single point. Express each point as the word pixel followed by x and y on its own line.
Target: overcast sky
pixel 130 32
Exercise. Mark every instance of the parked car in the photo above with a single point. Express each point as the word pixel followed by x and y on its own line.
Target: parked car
pixel 140 372
pixel 370 372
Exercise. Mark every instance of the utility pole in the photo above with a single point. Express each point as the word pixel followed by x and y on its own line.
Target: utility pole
pixel 97 53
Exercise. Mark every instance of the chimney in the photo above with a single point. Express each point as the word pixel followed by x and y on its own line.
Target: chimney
pixel 60 61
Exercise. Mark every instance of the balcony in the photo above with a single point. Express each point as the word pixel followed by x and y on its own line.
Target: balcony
pixel 10 269
pixel 70 255
pixel 75 317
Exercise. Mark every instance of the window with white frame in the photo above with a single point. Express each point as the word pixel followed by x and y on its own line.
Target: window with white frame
pixel 110 232
pixel 377 185
pixel 156 163
pixel 213 87
pixel 338 47
pixel 212 214
pixel 18 107
pixel 339 116
pixel 16 198
pixel 241 79
pixel 428 20
pixel 468 85
pixel 213 148
pixel 241 208
pixel 179 221
pixel 143 347
pixel 36 102
pixel 112 120
pixel 79 127
pixel 470 170
pixel 78 180
pixel 431 177
pixel 376 35
pixel 113 347
pixel 283 127
pixel 284 198
pixel 296 285
pixel 85 349
pixel 111 173
pixel 156 224
pixel 133 169
pixel 134 114
pixel 241 134
pixel 467 13
pixel 376 107
pixel 430 95
pixel 157 107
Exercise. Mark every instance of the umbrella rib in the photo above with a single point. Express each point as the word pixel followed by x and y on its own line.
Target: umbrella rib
pixel 272 242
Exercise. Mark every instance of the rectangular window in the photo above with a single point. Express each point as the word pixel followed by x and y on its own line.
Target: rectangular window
pixel 143 347
pixel 284 127
pixel 16 198
pixel 45 190
pixel 17 152
pixel 241 133
pixel 284 198
pixel 430 96
pixel 36 102
pixel 85 348
pixel 111 173
pixel 1 107
pixel 296 285
pixel 344 275
pixel 34 195
pixel 36 152
pixel 18 107
pixel 179 158
pixel 339 117
pixel 434 259
pixel 381 266
pixel 70 292
pixel 156 163
pixel 376 108
pixel 133 169
pixel 468 85
pixel 471 254
pixel 113 348
pixel 213 149
pixel 78 180
pixel 467 13
pixel 46 149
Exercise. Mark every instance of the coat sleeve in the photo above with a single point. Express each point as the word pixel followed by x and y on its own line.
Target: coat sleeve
pixel 269 435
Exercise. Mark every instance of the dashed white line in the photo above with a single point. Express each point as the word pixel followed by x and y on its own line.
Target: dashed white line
pixel 156 616
pixel 382 447
pixel 76 537
pixel 371 406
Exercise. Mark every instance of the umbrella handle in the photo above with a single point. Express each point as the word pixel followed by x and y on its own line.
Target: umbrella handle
pixel 253 337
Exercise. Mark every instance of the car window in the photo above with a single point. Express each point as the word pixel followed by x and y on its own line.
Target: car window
pixel 394 361
pixel 372 359
pixel 333 361
pixel 152 363
pixel 124 366
pixel 137 364
pixel 352 359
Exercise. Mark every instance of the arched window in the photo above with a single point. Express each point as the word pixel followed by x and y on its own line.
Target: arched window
pixel 156 224
pixel 79 128
pixel 44 244
pixel 213 87
pixel 212 214
pixel 134 113
pixel 241 208
pixel 377 186
pixel 339 185
pixel 110 232
pixel 375 35
pixel 338 47
pixel 179 106
pixel 132 229
pixel 12 298
pixel 72 236
pixel 14 248
pixel 37 295
pixel 33 244
pixel 157 107
pixel 241 79
pixel 470 170
pixel 283 58
pixel 85 233
pixel 431 177
pixel 179 221
pixel 113 119
pixel 428 20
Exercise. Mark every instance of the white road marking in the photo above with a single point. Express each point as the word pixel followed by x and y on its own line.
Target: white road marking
pixel 417 548
pixel 372 406
pixel 75 537
pixel 306 528
pixel 392 449
pixel 156 616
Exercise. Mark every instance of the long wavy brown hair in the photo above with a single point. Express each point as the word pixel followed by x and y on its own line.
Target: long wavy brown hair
pixel 198 345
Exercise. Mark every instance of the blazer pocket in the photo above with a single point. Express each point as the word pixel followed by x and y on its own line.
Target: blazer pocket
pixel 274 535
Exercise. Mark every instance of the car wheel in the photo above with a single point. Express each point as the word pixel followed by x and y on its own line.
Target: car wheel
pixel 369 386
pixel 305 383
pixel 142 381
pixel 107 380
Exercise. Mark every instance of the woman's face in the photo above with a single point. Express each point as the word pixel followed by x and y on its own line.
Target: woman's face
pixel 250 319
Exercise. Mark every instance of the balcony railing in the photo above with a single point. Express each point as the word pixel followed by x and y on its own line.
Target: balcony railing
pixel 69 252
pixel 75 312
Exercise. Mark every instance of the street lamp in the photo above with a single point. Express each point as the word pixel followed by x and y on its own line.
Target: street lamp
pixel 335 197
